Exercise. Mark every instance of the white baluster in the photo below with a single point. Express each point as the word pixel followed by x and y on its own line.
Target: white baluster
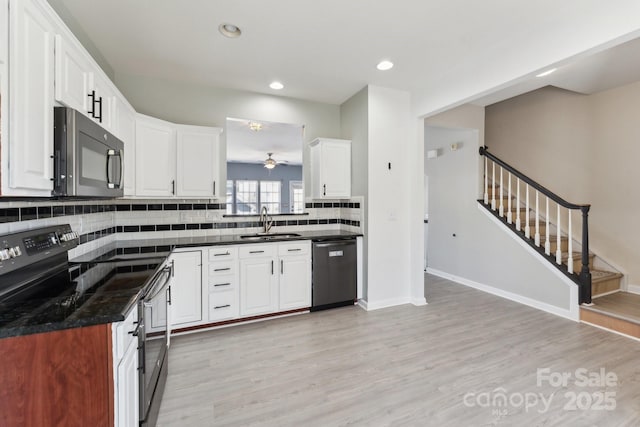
pixel 509 213
pixel 570 254
pixel 486 183
pixel 527 228
pixel 493 186
pixel 559 241
pixel 547 240
pixel 537 235
pixel 501 194
pixel 518 222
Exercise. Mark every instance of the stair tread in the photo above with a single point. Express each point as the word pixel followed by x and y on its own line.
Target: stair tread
pixel 575 255
pixel 602 275
pixel 622 305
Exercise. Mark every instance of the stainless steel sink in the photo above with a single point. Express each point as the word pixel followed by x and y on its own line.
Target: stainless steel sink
pixel 268 236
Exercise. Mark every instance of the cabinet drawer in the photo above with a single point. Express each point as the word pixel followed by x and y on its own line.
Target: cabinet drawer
pixel 223 284
pixel 222 253
pixel 124 332
pixel 223 305
pixel 223 268
pixel 294 248
pixel 255 251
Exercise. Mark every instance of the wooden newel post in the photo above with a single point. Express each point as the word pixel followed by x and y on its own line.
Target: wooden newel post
pixel 585 274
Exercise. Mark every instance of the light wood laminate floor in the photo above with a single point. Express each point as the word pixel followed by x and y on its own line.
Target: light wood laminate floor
pixel 434 365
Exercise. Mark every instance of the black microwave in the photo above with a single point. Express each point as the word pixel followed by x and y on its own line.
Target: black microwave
pixel 88 161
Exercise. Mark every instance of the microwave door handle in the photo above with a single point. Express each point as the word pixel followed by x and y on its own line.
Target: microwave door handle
pixel 110 154
pixel 121 156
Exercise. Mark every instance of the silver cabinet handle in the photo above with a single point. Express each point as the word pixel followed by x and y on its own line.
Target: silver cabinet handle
pixel 173 187
pixel 256 252
pixel 224 254
pixel 294 250
pixel 222 269
pixel 272 267
pixel 221 306
pixel 222 284
pixel 214 188
pixel 281 267
pixel 324 189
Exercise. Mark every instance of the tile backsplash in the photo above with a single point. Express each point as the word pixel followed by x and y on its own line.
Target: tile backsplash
pixel 101 221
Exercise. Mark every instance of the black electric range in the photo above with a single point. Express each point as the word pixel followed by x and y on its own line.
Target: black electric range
pixel 42 291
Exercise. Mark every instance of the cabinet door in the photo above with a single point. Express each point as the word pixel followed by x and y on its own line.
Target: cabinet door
pixel 72 77
pixel 155 158
pixel 258 286
pixel 197 162
pixel 186 288
pixel 126 125
pixel 295 282
pixel 335 167
pixel 31 102
pixel 127 389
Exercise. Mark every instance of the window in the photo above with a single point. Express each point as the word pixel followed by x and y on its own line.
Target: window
pixel 270 196
pixel 296 196
pixel 244 196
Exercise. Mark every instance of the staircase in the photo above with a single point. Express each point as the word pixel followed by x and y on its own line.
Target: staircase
pixel 603 303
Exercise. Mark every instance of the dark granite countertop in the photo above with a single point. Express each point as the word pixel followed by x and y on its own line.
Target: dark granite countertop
pixel 102 286
pixel 82 295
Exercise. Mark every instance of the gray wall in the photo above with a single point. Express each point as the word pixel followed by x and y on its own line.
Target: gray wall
pixel 254 171
pixel 463 241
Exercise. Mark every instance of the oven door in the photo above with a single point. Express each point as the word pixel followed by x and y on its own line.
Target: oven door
pixel 154 343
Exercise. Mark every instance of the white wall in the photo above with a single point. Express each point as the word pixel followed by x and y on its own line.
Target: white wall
pixel 465 243
pixel 388 206
pixel 354 123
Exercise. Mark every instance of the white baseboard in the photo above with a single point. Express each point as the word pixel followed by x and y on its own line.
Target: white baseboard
pixel 419 301
pixel 572 314
pixel 376 305
pixel 634 289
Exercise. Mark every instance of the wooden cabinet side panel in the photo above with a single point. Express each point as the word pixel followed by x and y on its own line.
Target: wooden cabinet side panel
pixel 61 378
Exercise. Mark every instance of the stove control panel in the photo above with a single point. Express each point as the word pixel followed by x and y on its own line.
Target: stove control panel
pixel 21 249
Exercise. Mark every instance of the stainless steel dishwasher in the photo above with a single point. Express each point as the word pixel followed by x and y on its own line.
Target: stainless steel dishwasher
pixel 334 273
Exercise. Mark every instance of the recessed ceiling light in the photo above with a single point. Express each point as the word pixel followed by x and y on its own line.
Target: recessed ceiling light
pixel 229 30
pixel 546 73
pixel 384 65
pixel 276 85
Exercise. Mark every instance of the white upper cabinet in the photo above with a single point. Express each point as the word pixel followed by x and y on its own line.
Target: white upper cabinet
pixel 126 124
pixel 176 160
pixel 330 168
pixel 198 156
pixel 72 76
pixel 31 88
pixel 155 157
pixel 104 102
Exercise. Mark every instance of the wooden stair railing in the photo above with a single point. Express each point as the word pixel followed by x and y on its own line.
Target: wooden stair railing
pixel 525 226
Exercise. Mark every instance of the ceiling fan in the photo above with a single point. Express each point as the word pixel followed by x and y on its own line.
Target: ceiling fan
pixel 271 163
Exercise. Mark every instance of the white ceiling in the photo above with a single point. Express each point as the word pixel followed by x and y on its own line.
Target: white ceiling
pixel 327 50
pixel 282 139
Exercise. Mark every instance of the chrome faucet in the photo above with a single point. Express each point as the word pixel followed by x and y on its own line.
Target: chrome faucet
pixel 266 220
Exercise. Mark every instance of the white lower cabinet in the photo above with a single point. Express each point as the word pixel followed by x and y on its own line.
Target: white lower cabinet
pixel 223 284
pixel 295 275
pixel 258 280
pixel 128 391
pixel 186 288
pixel 125 371
pixel 236 281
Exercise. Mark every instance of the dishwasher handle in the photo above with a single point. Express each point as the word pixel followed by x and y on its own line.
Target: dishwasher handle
pixel 335 243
